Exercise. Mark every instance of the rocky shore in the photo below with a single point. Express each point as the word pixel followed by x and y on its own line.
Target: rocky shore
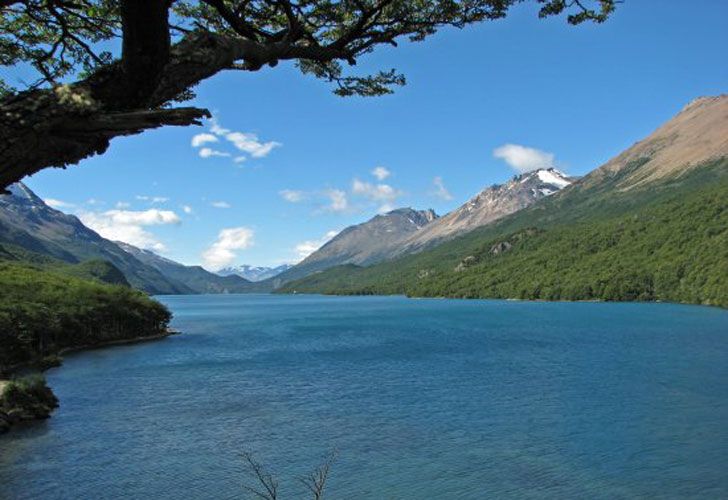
pixel 24 399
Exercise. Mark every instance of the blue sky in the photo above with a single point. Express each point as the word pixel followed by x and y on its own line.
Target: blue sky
pixel 581 94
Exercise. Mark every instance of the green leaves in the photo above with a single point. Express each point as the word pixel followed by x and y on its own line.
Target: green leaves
pixel 42 311
pixel 57 38
pixel 671 246
pixel 63 39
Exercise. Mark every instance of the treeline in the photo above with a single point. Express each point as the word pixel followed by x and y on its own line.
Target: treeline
pixel 672 250
pixel 43 311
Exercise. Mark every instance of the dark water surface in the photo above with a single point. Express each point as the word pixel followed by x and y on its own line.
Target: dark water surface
pixel 421 398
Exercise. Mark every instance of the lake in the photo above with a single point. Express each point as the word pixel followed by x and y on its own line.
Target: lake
pixel 420 399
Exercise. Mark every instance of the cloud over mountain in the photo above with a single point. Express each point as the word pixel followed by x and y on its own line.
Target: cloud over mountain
pixel 523 158
pixel 224 250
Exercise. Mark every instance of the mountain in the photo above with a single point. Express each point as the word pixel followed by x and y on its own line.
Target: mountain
pixel 372 241
pixel 487 206
pixel 194 277
pixel 93 270
pixel 405 230
pixel 695 136
pixel 26 221
pixel 254 273
pixel 650 224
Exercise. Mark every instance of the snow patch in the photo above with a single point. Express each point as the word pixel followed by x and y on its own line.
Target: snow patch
pixel 553 177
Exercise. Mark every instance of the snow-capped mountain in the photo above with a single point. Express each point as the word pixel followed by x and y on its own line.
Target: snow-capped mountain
pixel 489 205
pixel 197 279
pixel 254 273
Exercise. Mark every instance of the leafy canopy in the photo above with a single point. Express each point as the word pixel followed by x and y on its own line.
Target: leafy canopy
pixel 67 39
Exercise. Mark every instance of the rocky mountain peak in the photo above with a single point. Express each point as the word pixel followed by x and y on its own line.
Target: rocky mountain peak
pixel 490 204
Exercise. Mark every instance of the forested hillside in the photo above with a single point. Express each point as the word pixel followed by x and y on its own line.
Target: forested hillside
pixel 666 242
pixel 43 311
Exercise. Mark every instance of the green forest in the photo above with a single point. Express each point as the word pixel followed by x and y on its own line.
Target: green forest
pixel 44 309
pixel 661 245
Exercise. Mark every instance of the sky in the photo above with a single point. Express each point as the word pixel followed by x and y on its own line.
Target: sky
pixel 285 164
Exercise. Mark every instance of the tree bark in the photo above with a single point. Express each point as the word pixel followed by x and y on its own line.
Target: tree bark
pixel 145 47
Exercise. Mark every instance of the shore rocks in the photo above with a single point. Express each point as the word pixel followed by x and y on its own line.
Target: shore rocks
pixel 25 399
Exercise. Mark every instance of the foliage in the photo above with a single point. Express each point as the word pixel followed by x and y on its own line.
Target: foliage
pixel 92 269
pixel 668 244
pixel 43 311
pixel 58 38
pixel 26 391
pixel 92 88
pixel 25 398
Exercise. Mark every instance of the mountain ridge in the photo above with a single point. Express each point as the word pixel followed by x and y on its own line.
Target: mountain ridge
pixel 254 273
pixel 490 204
pixel 28 222
pixel 198 279
pixel 581 227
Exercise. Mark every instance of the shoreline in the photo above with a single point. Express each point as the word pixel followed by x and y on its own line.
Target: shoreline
pixel 12 416
pixel 111 343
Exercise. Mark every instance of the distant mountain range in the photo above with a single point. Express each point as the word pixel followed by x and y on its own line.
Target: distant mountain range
pixel 197 279
pixel 254 273
pixel 26 221
pixel 372 241
pixel 406 230
pixel 534 220
pixel 650 224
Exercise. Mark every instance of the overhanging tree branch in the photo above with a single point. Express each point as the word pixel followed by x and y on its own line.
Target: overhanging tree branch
pixel 58 125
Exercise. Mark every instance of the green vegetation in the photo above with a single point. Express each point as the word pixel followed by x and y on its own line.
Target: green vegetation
pixel 667 243
pixel 94 269
pixel 26 398
pixel 43 311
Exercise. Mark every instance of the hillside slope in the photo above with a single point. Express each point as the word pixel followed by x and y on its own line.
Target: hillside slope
pixel 626 190
pixel 372 241
pixel 26 221
pixel 489 205
pixel 194 277
pixel 671 250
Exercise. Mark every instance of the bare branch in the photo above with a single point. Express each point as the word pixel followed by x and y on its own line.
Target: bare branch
pixel 263 479
pixel 315 482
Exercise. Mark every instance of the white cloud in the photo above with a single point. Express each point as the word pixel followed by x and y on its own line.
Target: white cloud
pixel 306 248
pixel 223 251
pixel 122 204
pixel 153 199
pixel 216 129
pixel 381 173
pixel 292 196
pixel 523 158
pixel 376 192
pixel 220 204
pixel 249 143
pixel 201 139
pixel 209 152
pixel 440 189
pixel 57 204
pixel 151 217
pixel 187 209
pixel 384 194
pixel 338 201
pixel 128 226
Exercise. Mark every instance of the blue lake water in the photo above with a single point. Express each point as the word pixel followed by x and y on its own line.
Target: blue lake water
pixel 420 398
